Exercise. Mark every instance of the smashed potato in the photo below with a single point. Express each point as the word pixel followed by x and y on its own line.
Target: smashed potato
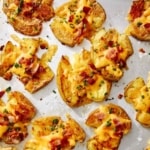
pixel 137 94
pixel 139 22
pixel 111 122
pixel 54 133
pixel 26 16
pixel 76 20
pixel 31 70
pixel 110 51
pixel 15 116
pixel 79 82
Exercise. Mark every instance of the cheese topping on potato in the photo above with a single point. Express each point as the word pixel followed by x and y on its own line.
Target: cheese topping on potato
pixel 26 16
pixel 139 20
pixel 31 70
pixel 15 116
pixel 76 20
pixel 54 133
pixel 137 94
pixel 111 122
pixel 110 51
pixel 79 82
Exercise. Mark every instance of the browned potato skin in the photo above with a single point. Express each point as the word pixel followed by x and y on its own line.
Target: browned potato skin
pixel 135 90
pixel 67 37
pixel 27 18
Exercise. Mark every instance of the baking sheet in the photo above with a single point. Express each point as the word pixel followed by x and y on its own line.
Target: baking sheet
pixel 48 102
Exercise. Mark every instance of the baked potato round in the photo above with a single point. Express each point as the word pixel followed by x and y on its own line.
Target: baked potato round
pixel 137 94
pixel 139 22
pixel 76 20
pixel 110 51
pixel 111 122
pixel 26 16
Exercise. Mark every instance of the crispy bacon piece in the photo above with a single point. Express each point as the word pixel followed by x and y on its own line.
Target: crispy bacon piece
pixel 137 9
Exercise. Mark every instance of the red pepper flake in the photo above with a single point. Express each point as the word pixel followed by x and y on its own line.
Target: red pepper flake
pixel 141 50
pixel 120 96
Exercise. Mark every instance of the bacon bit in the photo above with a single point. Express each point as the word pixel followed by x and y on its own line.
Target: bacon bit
pixel 1 47
pixel 55 143
pixel 112 54
pixel 141 50
pixel 2 93
pixel 86 9
pixel 110 43
pixel 26 61
pixel 43 46
pixel 120 96
pixel 147 25
pixel 3 119
pixel 84 74
pixel 92 66
pixel 40 69
pixel 90 81
pixel 71 17
pixel 148 110
pixel 14 136
pixel 100 116
pixel 137 9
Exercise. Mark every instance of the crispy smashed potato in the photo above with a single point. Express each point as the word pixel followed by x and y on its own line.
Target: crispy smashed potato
pixel 139 22
pixel 111 122
pixel 76 20
pixel 26 16
pixel 79 82
pixel 110 51
pixel 15 115
pixel 137 94
pixel 54 133
pixel 31 70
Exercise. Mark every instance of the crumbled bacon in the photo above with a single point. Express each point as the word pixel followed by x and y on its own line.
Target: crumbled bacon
pixel 71 17
pixel 2 93
pixel 141 50
pixel 86 9
pixel 137 9
pixel 147 25
pixel 120 96
pixel 112 54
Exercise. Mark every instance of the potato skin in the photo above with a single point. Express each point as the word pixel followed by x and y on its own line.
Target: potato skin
pixel 137 94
